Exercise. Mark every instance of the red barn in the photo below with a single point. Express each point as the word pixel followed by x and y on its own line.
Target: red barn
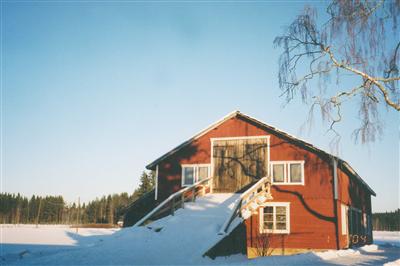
pixel 295 197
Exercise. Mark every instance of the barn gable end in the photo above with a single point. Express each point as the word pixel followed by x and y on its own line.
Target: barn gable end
pixel 314 192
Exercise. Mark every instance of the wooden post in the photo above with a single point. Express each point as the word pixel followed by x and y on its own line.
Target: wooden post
pixel 183 200
pixel 193 194
pixel 173 206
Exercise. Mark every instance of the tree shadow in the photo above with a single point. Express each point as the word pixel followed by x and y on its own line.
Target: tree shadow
pixel 11 253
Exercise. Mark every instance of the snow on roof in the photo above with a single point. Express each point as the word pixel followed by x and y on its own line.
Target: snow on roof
pixel 297 140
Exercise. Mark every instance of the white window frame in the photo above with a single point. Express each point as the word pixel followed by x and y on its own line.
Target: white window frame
pixel 195 173
pixel 274 205
pixel 271 165
pixel 345 219
pixel 286 172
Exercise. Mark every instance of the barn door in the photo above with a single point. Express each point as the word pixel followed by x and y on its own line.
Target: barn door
pixel 239 162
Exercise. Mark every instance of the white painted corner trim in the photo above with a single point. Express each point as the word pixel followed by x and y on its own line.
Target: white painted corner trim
pixel 156 185
pixel 241 137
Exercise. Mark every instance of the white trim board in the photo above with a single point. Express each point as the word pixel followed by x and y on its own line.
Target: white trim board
pixel 156 185
pixel 242 137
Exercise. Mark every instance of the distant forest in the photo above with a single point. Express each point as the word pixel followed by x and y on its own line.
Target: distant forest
pixel 17 209
pixel 386 221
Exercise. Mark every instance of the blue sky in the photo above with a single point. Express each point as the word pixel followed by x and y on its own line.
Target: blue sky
pixel 94 91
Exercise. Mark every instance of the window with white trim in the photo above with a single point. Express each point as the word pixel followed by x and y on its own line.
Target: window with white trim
pixel 287 172
pixel 275 218
pixel 192 173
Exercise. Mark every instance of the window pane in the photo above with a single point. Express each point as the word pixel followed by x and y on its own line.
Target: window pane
pixel 268 225
pixel 203 172
pixel 269 209
pixel 281 226
pixel 278 172
pixel 188 175
pixel 295 172
pixel 268 217
pixel 281 210
pixel 281 218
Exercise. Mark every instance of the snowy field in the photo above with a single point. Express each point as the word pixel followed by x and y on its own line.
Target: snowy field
pixel 170 241
pixel 61 245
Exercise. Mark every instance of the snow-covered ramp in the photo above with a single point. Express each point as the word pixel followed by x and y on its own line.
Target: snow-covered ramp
pixel 179 239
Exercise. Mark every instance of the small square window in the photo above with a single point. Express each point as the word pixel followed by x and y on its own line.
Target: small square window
pixel 287 172
pixel 275 218
pixel 194 173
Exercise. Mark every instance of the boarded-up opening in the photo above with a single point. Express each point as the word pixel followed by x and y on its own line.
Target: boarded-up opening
pixel 239 162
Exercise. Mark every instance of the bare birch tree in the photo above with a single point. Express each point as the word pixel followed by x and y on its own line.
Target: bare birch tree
pixel 356 41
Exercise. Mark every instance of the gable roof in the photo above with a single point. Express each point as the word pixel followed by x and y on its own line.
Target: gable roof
pixel 341 163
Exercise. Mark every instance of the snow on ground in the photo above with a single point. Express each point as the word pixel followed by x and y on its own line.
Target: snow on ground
pixel 20 241
pixel 48 234
pixel 179 239
pixel 387 238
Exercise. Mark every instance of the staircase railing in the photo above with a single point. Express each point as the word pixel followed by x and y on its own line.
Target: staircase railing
pixel 176 201
pixel 261 188
pixel 139 208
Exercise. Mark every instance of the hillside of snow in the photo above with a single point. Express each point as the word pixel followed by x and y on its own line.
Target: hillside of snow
pixel 179 239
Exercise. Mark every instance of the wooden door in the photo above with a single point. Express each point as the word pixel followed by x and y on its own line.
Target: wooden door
pixel 239 163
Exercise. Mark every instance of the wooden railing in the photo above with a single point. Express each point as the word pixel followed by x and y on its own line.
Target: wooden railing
pixel 261 188
pixel 176 201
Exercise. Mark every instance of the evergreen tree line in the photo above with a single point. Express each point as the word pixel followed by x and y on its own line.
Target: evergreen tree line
pixel 18 209
pixel 386 221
